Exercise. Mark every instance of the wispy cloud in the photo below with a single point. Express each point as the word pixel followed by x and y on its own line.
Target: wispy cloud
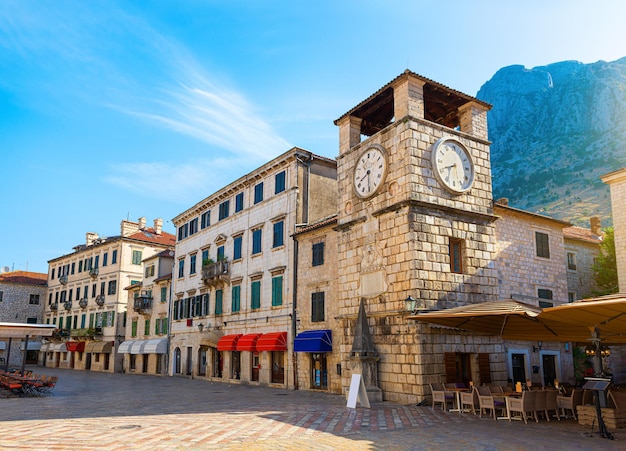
pixel 106 56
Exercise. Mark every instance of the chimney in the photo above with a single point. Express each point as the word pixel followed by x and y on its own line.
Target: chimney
pixel 142 223
pixel 503 201
pixel 127 228
pixel 596 225
pixel 158 226
pixel 90 237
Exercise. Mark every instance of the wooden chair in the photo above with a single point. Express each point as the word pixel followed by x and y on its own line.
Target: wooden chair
pixel 525 406
pixel 440 395
pixel 489 403
pixel 470 399
pixel 540 402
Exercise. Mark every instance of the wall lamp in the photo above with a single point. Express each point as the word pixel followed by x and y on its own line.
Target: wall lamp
pixel 411 304
pixel 538 347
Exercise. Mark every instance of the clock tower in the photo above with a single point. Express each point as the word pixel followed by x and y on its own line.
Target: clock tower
pixel 415 219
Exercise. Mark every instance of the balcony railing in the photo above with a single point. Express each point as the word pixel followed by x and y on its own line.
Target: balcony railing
pixel 143 303
pixel 67 305
pixel 216 273
pixel 100 300
pixel 93 272
pixel 87 332
pixel 54 307
pixel 83 303
pixel 63 279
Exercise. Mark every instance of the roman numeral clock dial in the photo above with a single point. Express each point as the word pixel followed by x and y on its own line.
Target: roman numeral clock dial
pixel 453 165
pixel 370 171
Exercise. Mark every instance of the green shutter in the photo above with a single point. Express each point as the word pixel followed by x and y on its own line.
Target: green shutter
pixel 164 326
pixel 146 329
pixel 134 329
pixel 157 326
pixel 236 298
pixel 91 316
pixel 218 302
pixel 277 291
pixel 256 295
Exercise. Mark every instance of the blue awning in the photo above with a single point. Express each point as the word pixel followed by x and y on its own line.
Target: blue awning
pixel 314 341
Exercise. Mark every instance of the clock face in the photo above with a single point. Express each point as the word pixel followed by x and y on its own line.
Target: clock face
pixel 453 165
pixel 370 171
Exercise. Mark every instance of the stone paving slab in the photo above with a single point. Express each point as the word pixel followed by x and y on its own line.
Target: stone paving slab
pixel 92 411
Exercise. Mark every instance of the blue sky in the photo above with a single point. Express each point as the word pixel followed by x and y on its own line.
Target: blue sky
pixel 117 109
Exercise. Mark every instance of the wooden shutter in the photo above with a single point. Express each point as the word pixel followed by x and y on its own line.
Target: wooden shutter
pixel 484 371
pixel 449 361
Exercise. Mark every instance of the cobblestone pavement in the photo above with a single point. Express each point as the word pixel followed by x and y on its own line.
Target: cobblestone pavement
pixel 120 412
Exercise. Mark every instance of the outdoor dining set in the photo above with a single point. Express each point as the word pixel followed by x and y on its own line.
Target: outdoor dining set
pixel 27 384
pixel 506 402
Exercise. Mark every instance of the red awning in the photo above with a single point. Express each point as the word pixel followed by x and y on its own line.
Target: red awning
pixel 228 342
pixel 248 342
pixel 274 341
pixel 75 346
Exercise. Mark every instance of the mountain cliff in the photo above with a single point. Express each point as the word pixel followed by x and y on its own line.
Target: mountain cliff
pixel 554 130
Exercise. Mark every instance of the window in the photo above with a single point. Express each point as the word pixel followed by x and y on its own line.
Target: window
pixel 238 202
pixel 60 322
pixel 455 251
pixel 278 238
pixel 255 295
pixel 205 219
pixel 83 320
pixel 2 296
pixel 181 267
pixel 97 264
pixel 256 241
pixel 114 257
pixel 571 261
pixel 192 264
pixel 237 243
pixel 74 265
pixel 318 254
pixel 317 306
pixel 86 291
pixel 223 210
pixel 33 320
pixel 279 182
pixel 133 326
pixel 69 295
pixel 220 253
pixel 163 294
pixel 544 293
pixel 93 290
pixel 193 226
pixel 80 266
pixel 157 326
pixel 543 244
pixel 102 288
pixel 112 287
pixel 236 298
pixel 136 258
pixel 219 295
pixel 146 328
pixel 150 271
pixel 277 291
pixel 571 296
pixel 258 193
pixel 105 261
pixel 205 304
pixel 205 257
pixel 164 326
pixel 78 294
pixel 183 231
pixel 34 299
pixel 52 276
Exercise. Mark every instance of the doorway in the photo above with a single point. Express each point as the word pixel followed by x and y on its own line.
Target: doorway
pixel 319 371
pixel 202 361
pixel 256 364
pixel 550 367
pixel 177 361
pixel 518 367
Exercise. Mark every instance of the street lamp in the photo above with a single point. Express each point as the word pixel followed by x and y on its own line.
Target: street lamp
pixel 411 304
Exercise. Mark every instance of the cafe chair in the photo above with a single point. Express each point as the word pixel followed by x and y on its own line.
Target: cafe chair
pixel 540 402
pixel 525 406
pixel 488 403
pixel 570 402
pixel 470 399
pixel 552 404
pixel 441 396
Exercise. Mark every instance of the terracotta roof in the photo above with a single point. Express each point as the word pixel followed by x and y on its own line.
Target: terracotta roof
pixel 497 205
pixel 25 278
pixel 149 235
pixel 316 225
pixel 580 233
pixel 164 277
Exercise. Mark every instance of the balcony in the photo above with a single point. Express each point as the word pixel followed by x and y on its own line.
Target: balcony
pixel 87 332
pixel 216 273
pixel 83 303
pixel 143 303
pixel 54 307
pixel 100 300
pixel 93 272
pixel 67 305
pixel 63 279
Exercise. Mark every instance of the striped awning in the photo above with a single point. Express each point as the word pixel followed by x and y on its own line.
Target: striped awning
pixel 99 347
pixel 137 347
pixel 273 341
pixel 156 346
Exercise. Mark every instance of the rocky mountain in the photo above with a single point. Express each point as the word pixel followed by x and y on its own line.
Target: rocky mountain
pixel 555 130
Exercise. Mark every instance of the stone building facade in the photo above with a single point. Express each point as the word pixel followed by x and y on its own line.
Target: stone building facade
pixel 582 247
pixel 86 299
pixel 145 348
pixel 233 281
pixel 22 296
pixel 617 183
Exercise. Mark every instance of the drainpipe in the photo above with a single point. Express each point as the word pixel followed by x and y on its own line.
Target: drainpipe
pixel 294 306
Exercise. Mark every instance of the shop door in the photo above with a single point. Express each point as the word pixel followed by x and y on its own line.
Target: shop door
pixel 319 372
pixel 189 360
pixel 202 362
pixel 88 361
pixel 218 363
pixel 144 363
pixel 256 365
pixel 278 367
pixel 519 368
pixel 548 362
pixel 236 365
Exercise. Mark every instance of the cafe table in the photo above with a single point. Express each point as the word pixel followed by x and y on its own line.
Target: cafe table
pixel 508 394
pixel 457 393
